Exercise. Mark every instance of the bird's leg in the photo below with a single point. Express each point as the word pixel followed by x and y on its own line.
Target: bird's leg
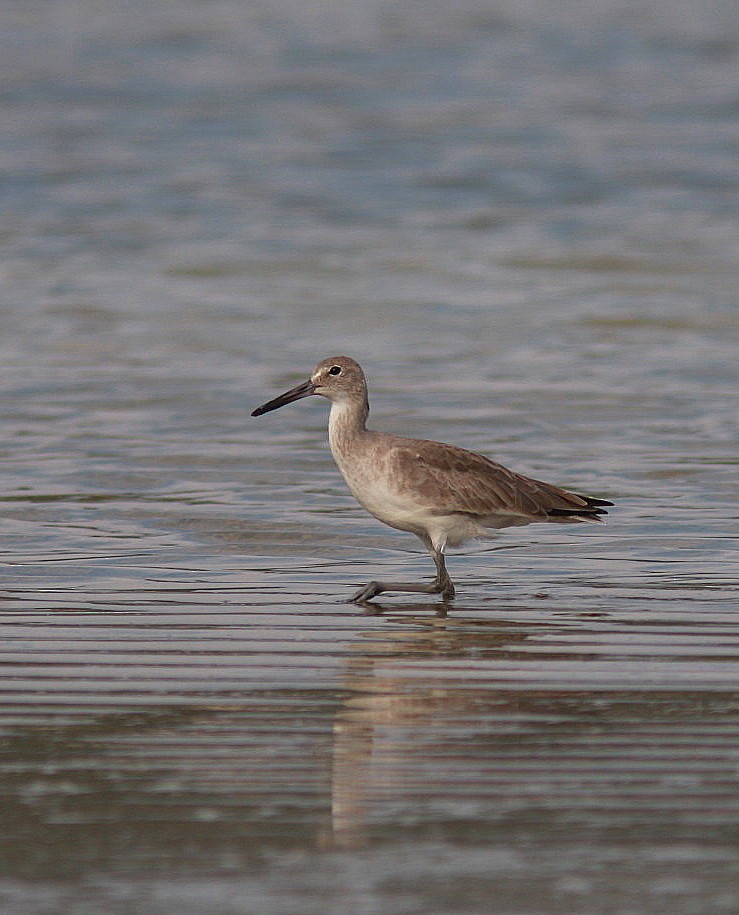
pixel 442 581
pixel 442 584
pixel 373 588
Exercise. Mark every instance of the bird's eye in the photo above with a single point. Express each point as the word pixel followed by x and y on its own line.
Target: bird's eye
pixel 335 370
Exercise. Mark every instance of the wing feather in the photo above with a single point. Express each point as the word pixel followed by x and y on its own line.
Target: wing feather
pixel 450 480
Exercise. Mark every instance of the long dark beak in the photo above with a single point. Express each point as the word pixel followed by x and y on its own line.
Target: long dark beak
pixel 303 390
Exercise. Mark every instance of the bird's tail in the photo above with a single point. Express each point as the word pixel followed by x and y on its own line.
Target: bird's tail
pixel 591 511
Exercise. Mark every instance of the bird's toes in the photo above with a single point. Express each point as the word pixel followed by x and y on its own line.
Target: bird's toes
pixel 444 588
pixel 370 590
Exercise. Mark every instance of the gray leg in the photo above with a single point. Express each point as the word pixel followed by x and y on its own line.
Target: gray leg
pixel 442 584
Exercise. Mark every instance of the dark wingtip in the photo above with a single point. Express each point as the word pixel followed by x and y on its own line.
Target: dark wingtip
pixel 592 510
pixel 593 513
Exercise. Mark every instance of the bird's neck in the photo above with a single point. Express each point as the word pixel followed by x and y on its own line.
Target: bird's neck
pixel 346 422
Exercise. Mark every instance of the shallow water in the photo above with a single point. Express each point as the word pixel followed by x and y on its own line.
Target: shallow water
pixel 522 220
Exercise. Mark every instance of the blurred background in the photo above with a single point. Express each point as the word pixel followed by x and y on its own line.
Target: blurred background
pixel 521 218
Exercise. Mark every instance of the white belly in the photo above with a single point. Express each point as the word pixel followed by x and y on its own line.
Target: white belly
pixel 403 512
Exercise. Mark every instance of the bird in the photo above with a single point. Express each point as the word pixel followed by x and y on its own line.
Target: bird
pixel 443 494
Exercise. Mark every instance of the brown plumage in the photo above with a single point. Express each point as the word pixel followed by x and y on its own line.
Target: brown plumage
pixel 457 480
pixel 441 493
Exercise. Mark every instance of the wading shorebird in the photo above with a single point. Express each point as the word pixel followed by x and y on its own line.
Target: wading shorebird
pixel 443 494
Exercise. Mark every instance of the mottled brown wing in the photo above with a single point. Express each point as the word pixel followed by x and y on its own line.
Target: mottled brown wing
pixel 452 479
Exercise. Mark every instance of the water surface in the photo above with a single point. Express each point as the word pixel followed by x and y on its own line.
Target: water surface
pixel 522 221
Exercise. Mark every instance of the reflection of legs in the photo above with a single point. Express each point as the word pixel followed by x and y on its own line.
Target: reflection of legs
pixel 442 584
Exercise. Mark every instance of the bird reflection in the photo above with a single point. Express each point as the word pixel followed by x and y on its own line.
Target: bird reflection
pixel 372 608
pixel 383 733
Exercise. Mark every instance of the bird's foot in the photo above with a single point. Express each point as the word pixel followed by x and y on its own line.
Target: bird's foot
pixel 445 588
pixel 370 590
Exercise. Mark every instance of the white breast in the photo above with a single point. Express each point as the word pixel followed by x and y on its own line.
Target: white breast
pixel 366 475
